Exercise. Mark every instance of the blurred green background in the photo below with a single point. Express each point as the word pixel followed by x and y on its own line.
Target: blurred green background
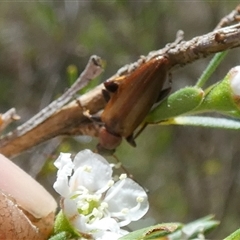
pixel 189 172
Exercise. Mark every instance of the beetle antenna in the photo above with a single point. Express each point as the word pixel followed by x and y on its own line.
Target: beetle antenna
pixel 127 172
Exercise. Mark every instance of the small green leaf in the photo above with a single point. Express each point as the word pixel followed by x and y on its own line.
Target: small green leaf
pixel 180 102
pixel 61 236
pixel 202 121
pixel 234 236
pixel 153 232
pixel 192 229
pixel 62 225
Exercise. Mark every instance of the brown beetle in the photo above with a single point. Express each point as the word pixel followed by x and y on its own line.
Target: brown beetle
pixel 129 101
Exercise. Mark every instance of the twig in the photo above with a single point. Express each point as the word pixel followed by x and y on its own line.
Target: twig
pixel 203 46
pixel 70 120
pixel 92 70
pixel 232 17
pixel 189 51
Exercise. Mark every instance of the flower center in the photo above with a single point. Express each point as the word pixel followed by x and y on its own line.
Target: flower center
pixel 90 205
pixel 86 206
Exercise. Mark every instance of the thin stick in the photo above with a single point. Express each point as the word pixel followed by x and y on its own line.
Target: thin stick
pixel 70 120
pixel 218 58
pixel 230 18
pixel 92 70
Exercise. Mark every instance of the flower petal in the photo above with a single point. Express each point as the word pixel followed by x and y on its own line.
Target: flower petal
pixel 65 166
pixel 64 160
pixel 91 171
pixel 109 229
pixel 108 235
pixel 107 223
pixel 70 208
pixel 127 195
pixel 61 186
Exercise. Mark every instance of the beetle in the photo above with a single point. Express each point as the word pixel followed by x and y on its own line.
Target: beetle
pixel 129 101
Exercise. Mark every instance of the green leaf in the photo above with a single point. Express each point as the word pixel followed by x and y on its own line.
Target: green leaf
pixel 62 225
pixel 192 229
pixel 174 231
pixel 61 236
pixel 234 236
pixel 202 121
pixel 180 102
pixel 153 232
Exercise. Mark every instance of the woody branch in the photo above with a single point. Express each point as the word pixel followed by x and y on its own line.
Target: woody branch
pixel 71 120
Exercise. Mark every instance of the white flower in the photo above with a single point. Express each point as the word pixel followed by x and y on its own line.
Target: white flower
pixel 93 203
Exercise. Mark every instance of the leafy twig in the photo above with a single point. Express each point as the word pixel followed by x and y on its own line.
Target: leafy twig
pixel 70 120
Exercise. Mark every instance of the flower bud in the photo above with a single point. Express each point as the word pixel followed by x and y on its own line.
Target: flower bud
pixel 224 96
pixel 178 103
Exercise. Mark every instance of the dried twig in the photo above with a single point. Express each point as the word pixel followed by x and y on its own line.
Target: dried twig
pixel 189 51
pixel 92 70
pixel 70 119
pixel 232 17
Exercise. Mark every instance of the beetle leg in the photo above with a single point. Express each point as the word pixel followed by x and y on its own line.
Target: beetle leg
pixel 85 112
pixel 96 118
pixel 163 94
pixel 93 117
pixel 111 86
pixel 140 130
pixel 130 140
